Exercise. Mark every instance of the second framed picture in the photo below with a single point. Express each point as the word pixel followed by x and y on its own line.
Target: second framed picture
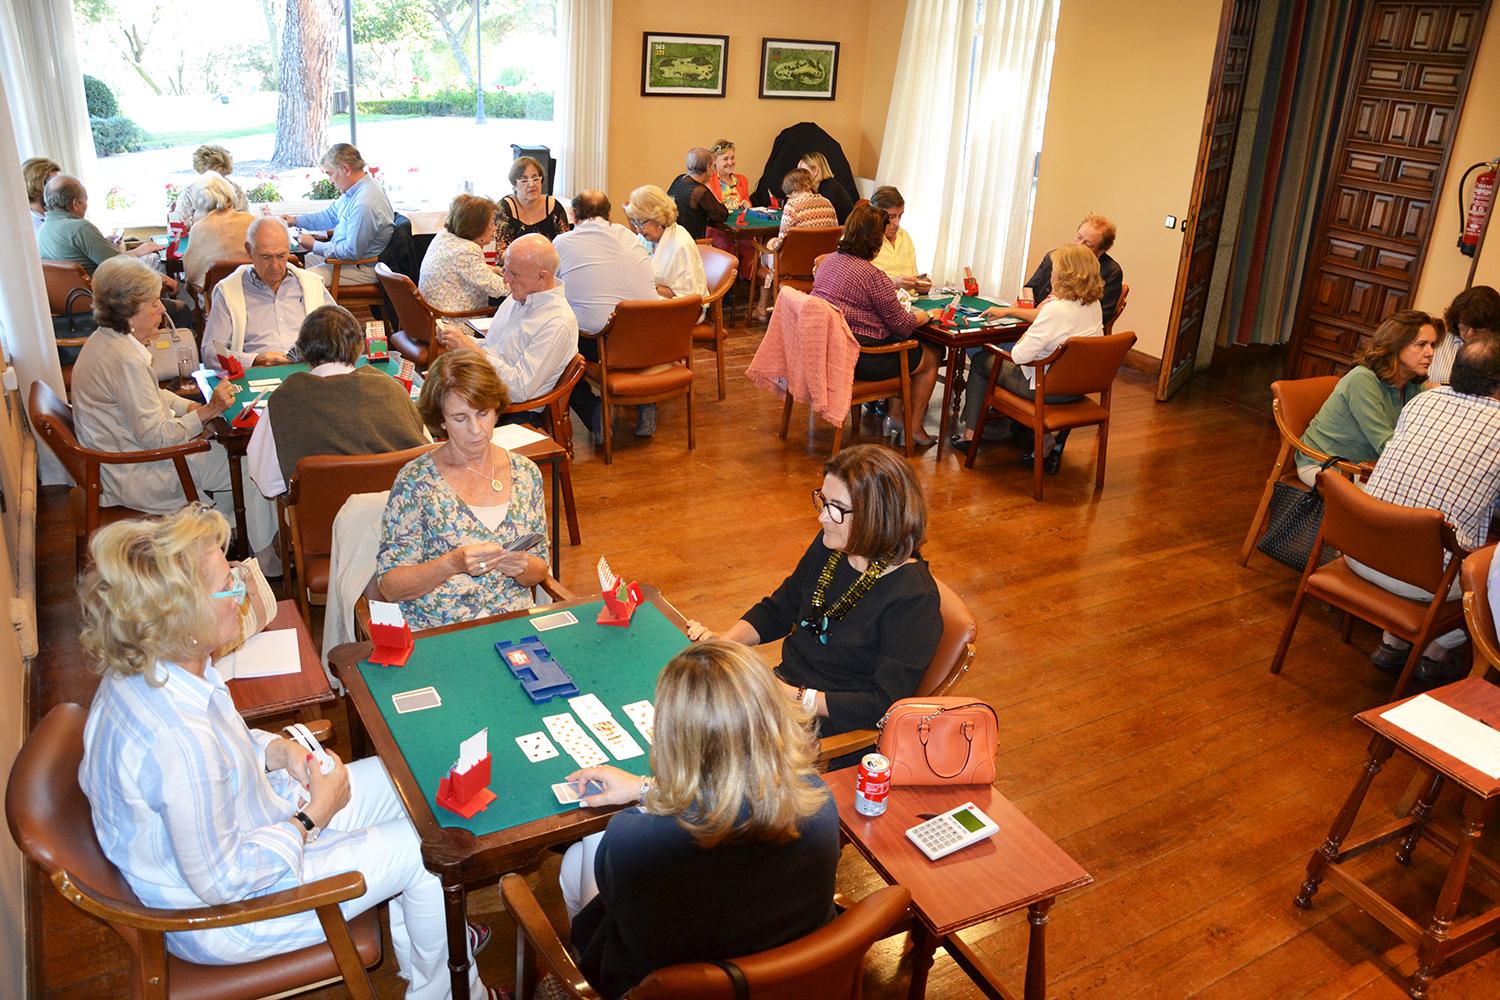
pixel 798 68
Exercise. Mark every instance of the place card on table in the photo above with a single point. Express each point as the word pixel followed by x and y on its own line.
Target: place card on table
pixel 1449 730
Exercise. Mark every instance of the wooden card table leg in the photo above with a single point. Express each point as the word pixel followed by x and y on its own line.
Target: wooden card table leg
pixel 1036 951
pixel 945 415
pixel 1435 943
pixel 1420 814
pixel 455 912
pixel 556 526
pixel 923 946
pixel 575 537
pixel 241 547
pixel 1380 751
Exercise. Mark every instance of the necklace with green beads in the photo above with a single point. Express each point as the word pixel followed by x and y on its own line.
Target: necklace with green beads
pixel 822 613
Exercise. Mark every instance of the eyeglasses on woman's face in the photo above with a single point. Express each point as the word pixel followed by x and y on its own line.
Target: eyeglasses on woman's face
pixel 836 511
pixel 236 590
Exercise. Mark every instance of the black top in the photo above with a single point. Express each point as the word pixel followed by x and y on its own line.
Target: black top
pixel 875 656
pixel 835 193
pixel 1040 283
pixel 663 900
pixel 696 206
pixel 512 228
pixel 791 144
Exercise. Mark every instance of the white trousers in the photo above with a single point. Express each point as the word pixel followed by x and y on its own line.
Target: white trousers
pixel 577 875
pixel 1448 640
pixel 390 859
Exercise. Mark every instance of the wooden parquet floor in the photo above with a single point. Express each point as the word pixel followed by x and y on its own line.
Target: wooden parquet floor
pixel 1125 651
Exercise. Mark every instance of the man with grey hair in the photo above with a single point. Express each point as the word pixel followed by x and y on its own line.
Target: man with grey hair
pixel 696 204
pixel 361 219
pixel 534 333
pixel 256 313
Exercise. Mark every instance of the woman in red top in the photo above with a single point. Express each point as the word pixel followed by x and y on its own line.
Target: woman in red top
pixel 733 190
pixel 875 315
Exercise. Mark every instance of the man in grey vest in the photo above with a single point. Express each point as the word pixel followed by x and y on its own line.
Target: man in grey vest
pixel 256 311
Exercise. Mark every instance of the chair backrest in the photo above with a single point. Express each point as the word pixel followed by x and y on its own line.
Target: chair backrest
pixel 651 332
pixel 50 817
pixel 1109 327
pixel 955 649
pixel 1088 364
pixel 1404 542
pixel 217 272
pixel 556 401
pixel 52 420
pixel 322 483
pixel 828 963
pixel 1477 609
pixel 413 315
pixel 63 278
pixel 1296 401
pixel 800 247
pixel 720 268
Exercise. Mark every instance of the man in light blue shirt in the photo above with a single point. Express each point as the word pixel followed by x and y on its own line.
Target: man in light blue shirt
pixel 361 220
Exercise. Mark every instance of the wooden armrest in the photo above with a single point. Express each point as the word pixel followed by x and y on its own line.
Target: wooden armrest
pixel 762 247
pixel 900 345
pixel 351 263
pixel 1357 472
pixel 328 891
pixel 533 924
pixel 556 590
pixel 321 729
pixel 846 743
pixel 999 350
pixel 154 455
pixel 70 341
pixel 461 313
pixel 558 391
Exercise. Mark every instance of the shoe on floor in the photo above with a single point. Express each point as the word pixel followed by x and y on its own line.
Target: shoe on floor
pixel 1389 659
pixel 1433 672
pixel 958 443
pixel 496 993
pixel 479 937
pixel 596 425
pixel 1052 463
pixel 645 420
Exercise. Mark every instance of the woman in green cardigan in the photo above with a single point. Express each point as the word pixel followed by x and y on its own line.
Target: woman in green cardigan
pixel 1359 417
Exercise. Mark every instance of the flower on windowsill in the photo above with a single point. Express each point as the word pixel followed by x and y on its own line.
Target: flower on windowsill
pixel 117 198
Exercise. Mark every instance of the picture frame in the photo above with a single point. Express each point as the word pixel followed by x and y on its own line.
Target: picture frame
pixel 675 65
pixel 798 69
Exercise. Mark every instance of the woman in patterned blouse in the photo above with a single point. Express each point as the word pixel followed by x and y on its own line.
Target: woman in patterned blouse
pixel 452 512
pixel 455 277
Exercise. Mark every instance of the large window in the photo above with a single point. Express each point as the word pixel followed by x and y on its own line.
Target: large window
pixel 168 77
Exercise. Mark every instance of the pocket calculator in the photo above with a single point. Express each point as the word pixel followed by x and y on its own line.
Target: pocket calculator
pixel 952 831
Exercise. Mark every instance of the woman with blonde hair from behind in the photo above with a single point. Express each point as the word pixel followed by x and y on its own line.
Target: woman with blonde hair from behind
pixel 195 808
pixel 733 805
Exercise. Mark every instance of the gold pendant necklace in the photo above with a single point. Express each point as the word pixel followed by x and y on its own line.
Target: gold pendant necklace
pixel 495 483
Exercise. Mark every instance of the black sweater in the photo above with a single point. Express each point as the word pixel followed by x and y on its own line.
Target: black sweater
pixel 664 900
pixel 875 656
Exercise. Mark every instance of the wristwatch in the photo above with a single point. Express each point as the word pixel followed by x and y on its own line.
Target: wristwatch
pixel 309 828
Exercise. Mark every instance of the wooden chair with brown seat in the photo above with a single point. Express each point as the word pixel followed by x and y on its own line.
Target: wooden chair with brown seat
pixel 827 964
pixel 353 297
pixel 415 330
pixel 554 406
pixel 645 356
pixel 313 497
pixel 70 297
pixel 52 823
pixel 794 257
pixel 1119 308
pixel 1478 613
pixel 1294 403
pixel 721 269
pixel 950 661
pixel 52 420
pixel 1411 544
pixel 1082 366
pixel 217 272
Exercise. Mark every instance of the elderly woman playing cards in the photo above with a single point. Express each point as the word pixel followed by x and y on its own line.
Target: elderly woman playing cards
pixel 193 807
pixel 860 613
pixel 463 535
pixel 735 844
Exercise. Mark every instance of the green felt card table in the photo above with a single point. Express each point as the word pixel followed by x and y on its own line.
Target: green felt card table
pixel 954 342
pixel 619 665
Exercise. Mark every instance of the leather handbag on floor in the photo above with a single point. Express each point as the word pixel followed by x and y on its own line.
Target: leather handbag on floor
pixel 940 741
pixel 1292 523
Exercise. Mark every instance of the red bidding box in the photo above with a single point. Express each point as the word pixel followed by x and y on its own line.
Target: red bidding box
pixel 467 793
pixel 393 644
pixel 616 611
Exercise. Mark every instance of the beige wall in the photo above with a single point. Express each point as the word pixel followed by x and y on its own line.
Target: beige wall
pixel 1444 269
pixel 1129 80
pixel 649 136
pixel 883 50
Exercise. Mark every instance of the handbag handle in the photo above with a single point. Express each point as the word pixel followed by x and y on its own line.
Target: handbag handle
pixel 924 729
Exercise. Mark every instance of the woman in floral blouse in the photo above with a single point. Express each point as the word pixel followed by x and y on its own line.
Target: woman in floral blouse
pixel 455 277
pixel 453 511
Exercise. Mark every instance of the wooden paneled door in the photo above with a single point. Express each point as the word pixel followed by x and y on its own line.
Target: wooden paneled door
pixel 1400 115
pixel 1221 128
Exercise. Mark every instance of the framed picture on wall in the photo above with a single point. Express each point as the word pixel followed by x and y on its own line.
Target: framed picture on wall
pixel 797 68
pixel 683 65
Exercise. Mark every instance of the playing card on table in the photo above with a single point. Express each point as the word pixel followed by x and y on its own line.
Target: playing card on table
pixel 557 620
pixel 536 747
pixel 643 715
pixel 616 738
pixel 584 751
pixel 589 708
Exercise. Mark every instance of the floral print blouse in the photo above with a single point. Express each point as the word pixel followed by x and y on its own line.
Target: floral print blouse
pixel 424 518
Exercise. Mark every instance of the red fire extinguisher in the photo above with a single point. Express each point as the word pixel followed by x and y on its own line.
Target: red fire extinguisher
pixel 1480 202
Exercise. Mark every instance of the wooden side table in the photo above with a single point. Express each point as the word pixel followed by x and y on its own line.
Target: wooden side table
pixel 258 697
pixel 1441 935
pixel 1018 867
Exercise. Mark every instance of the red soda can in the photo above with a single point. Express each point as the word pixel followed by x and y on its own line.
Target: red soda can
pixel 872 785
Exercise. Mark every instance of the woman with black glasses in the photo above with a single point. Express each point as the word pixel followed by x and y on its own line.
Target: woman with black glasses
pixel 860 613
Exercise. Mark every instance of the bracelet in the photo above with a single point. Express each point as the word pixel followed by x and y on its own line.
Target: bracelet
pixel 646 786
pixel 810 701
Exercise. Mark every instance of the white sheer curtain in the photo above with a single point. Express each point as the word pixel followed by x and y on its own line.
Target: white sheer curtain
pixel 39 63
pixel 583 29
pixel 963 131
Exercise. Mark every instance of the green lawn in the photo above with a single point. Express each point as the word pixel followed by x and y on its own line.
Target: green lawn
pixel 166 140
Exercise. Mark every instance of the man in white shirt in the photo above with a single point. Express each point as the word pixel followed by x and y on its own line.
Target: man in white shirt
pixel 534 333
pixel 256 311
